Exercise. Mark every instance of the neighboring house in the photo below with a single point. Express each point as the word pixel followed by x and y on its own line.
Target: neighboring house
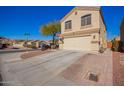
pixel 84 28
pixel 122 33
pixel 4 42
pixel 109 44
pixel 34 43
pixel 1 45
pixel 37 43
pixel 19 43
pixel 29 42
pixel 117 38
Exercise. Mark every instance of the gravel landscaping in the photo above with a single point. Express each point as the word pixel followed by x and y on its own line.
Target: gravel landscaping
pixel 99 65
pixel 118 69
pixel 34 53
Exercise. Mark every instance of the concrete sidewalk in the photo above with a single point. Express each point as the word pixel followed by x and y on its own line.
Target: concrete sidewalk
pixel 16 50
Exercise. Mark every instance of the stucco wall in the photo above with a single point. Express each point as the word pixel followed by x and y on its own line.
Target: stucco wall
pixel 96 23
pixel 103 34
pixel 95 42
pixel 76 20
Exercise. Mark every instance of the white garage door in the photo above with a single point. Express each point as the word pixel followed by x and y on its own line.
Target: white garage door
pixel 77 43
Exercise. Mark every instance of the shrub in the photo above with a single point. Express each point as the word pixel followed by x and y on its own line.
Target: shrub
pixel 120 48
pixel 101 50
pixel 31 46
pixel 25 44
pixel 115 45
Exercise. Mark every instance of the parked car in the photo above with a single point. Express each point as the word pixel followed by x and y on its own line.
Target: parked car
pixel 44 46
pixel 54 46
pixel 1 46
pixel 15 48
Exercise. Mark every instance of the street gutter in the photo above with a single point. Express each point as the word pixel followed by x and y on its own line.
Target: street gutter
pixel 17 50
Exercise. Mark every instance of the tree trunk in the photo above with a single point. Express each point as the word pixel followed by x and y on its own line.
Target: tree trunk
pixel 54 38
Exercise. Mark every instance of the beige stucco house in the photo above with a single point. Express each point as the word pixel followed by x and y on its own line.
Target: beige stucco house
pixel 117 38
pixel 84 29
pixel 19 43
pixel 37 43
pixel 34 43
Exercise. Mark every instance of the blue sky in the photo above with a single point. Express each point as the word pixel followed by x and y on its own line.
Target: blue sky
pixel 15 21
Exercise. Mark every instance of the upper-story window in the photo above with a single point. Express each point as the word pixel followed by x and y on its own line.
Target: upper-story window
pixel 86 20
pixel 68 24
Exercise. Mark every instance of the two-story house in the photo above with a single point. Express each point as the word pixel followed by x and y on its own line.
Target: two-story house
pixel 84 29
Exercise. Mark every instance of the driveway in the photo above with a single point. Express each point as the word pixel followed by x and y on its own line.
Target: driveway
pixel 37 70
pixel 57 68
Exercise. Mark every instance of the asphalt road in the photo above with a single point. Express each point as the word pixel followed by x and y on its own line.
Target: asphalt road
pixel 38 70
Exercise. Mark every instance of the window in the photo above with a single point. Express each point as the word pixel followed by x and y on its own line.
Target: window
pixel 94 37
pixel 86 20
pixel 68 24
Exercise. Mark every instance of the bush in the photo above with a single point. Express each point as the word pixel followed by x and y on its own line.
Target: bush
pixel 25 44
pixel 53 46
pixel 101 50
pixel 120 48
pixel 116 46
pixel 31 46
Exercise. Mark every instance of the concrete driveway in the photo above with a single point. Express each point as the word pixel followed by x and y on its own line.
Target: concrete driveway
pixel 57 68
pixel 38 70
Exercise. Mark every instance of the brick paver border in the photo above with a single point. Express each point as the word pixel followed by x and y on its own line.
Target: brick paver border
pixel 118 70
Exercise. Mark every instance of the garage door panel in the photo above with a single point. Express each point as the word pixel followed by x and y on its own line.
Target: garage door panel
pixel 78 43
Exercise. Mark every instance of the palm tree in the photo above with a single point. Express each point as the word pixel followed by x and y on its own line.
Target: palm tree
pixel 27 34
pixel 51 30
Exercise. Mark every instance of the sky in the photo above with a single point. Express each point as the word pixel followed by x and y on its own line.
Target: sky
pixel 17 20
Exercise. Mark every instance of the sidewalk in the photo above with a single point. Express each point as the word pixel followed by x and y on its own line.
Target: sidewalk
pixel 17 50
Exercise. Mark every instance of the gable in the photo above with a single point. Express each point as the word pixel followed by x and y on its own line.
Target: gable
pixel 101 15
pixel 67 15
pixel 80 8
pixel 84 8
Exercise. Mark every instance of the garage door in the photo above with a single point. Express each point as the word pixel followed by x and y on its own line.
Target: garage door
pixel 77 43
